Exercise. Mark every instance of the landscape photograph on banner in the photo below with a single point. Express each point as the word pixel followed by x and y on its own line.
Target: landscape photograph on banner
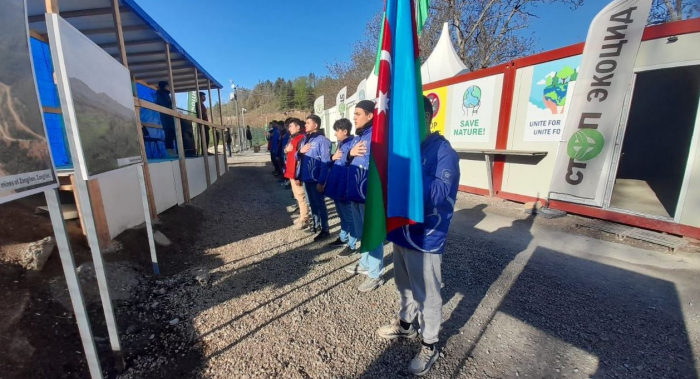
pixel 550 97
pixel 25 162
pixel 103 102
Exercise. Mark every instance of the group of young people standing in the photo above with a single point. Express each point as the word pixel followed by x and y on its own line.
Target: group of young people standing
pixel 302 154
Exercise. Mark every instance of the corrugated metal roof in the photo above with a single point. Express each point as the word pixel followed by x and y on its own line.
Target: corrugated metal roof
pixel 144 39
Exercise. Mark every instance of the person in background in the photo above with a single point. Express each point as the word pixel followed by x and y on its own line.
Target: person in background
pixel 229 141
pixel 418 250
pixel 296 131
pixel 249 136
pixel 371 263
pixel 315 154
pixel 168 122
pixel 274 145
pixel 336 188
pixel 205 117
pixel 281 156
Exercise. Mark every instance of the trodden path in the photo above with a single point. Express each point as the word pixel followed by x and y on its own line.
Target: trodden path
pixel 523 297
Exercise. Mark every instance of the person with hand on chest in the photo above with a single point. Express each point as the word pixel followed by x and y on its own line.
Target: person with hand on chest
pixel 314 158
pixel 371 263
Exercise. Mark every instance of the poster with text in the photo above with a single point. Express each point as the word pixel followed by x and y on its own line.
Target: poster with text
pixel 25 160
pixel 552 86
pixel 105 128
pixel 438 98
pixel 471 110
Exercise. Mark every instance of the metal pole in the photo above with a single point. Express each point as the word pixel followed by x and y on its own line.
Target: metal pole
pixel 76 294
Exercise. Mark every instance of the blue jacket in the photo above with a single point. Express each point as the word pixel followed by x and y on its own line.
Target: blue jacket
pixel 315 164
pixel 284 140
pixel 359 166
pixel 440 184
pixel 274 141
pixel 337 181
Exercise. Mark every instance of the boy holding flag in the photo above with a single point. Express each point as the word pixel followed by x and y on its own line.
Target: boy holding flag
pixel 418 250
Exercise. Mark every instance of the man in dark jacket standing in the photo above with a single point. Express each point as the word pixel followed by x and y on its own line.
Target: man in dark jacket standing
pixel 163 99
pixel 249 136
pixel 418 251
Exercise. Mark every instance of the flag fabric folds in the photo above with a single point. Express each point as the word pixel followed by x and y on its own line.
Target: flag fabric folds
pixel 395 185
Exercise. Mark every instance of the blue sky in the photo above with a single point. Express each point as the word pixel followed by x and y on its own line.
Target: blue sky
pixel 248 41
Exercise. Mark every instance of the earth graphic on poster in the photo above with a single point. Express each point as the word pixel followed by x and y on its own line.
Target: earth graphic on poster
pixel 471 100
pixel 556 86
pixel 362 95
pixel 551 81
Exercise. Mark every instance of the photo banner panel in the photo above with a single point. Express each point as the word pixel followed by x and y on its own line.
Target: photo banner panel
pixel 25 158
pixel 99 108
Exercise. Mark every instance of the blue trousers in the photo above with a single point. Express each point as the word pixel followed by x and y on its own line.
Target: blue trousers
pixel 372 260
pixel 347 225
pixel 317 202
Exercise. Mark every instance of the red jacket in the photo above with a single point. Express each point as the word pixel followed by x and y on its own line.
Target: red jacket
pixel 291 169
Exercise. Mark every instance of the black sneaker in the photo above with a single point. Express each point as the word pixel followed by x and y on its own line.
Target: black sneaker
pixel 337 243
pixel 322 236
pixel 311 229
pixel 347 252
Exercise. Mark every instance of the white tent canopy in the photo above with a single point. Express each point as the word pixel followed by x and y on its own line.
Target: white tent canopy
pixel 443 62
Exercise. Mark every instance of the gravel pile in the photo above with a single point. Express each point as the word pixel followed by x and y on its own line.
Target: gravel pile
pixel 262 300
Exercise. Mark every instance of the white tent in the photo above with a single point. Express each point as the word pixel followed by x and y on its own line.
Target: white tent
pixel 443 62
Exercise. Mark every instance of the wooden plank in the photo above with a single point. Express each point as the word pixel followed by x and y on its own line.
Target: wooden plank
pixel 36 35
pixel 74 184
pixel 200 127
pixel 223 133
pixel 52 110
pixel 215 133
pixel 51 6
pixel 178 132
pixel 155 107
pixel 98 213
pixel 119 31
pixel 143 83
pixel 147 172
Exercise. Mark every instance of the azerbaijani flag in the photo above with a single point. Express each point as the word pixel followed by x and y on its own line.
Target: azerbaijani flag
pixel 395 185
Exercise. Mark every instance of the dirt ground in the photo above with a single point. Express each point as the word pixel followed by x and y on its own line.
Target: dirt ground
pixel 242 294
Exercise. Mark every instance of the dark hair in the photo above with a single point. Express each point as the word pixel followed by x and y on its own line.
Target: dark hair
pixel 315 119
pixel 343 124
pixel 201 93
pixel 428 106
pixel 162 85
pixel 298 123
pixel 288 120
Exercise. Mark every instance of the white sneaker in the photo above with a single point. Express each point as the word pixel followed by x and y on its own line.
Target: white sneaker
pixel 371 284
pixel 394 330
pixel 421 364
pixel 356 268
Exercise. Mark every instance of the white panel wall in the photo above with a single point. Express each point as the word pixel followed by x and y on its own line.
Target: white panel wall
pixel 196 177
pixel 212 169
pixel 473 171
pixel 121 196
pixel 164 185
pixel 523 176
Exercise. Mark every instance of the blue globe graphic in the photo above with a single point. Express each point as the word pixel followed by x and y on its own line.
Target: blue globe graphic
pixel 472 99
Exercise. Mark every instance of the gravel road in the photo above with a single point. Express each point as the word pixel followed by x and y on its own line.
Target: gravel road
pixel 523 297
